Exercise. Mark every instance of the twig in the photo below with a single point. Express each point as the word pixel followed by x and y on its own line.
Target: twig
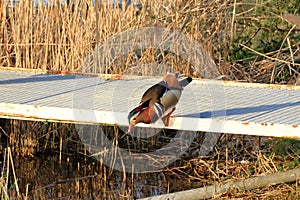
pixel 285 38
pixel 232 22
pixel 268 57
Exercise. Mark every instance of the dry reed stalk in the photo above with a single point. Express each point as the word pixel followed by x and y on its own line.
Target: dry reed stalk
pixel 4 177
pixel 6 184
pixel 268 57
pixel 281 46
pixel 26 192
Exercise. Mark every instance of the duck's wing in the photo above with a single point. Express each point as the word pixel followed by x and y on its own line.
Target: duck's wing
pixel 154 93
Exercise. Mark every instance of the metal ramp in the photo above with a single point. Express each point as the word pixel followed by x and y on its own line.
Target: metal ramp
pixel 205 105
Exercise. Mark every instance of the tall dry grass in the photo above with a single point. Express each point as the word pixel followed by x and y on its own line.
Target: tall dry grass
pixel 241 37
pixel 61 37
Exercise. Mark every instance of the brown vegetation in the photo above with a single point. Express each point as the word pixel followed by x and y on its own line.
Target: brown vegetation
pixel 61 37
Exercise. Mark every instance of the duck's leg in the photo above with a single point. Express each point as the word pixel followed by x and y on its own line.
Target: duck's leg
pixel 167 117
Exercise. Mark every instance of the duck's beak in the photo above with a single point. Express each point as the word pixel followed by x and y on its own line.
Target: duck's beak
pixel 130 128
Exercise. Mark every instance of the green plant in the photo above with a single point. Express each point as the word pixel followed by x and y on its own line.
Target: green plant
pixel 285 146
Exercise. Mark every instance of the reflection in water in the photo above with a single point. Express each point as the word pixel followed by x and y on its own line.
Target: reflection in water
pixel 79 177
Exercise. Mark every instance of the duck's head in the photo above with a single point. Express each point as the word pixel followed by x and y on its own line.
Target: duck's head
pixel 138 117
pixel 132 120
pixel 172 81
pixel 132 123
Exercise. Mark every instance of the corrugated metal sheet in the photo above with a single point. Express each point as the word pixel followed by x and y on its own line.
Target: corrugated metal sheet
pixel 213 106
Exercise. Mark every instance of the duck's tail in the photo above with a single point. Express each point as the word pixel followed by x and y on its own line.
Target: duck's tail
pixel 185 81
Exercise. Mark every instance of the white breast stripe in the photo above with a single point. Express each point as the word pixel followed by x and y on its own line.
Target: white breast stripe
pixel 159 109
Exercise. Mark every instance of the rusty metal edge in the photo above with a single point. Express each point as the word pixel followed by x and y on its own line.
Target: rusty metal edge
pixel 81 116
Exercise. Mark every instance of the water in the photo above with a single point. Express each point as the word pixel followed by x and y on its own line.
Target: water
pixel 45 176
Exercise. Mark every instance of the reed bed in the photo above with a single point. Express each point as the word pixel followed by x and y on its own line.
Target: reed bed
pixel 60 37
pixel 240 37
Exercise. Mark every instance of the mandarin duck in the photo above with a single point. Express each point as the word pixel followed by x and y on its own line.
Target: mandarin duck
pixel 158 102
